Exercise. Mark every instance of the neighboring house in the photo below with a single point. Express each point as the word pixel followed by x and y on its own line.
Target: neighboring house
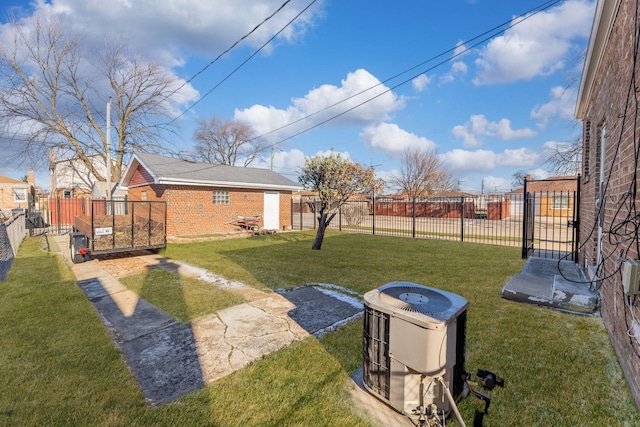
pixel 14 193
pixel 609 223
pixel 205 198
pixel 71 178
pixel 554 196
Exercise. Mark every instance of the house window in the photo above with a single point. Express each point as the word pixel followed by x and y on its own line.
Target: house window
pixel 67 194
pixel 560 202
pixel 19 194
pixel 586 151
pixel 220 197
pixel 143 196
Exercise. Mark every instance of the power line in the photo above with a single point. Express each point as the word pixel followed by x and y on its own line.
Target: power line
pixel 241 64
pixel 537 9
pixel 496 30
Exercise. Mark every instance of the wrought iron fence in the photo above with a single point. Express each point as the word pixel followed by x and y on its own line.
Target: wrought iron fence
pixel 552 218
pixel 549 221
pixel 495 219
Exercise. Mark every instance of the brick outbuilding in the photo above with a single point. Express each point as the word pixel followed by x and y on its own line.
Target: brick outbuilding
pixel 609 108
pixel 204 198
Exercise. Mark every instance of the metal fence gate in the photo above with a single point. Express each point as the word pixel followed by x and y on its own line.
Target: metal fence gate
pixel 551 219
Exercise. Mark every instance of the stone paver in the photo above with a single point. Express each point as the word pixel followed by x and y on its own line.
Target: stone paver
pixel 169 359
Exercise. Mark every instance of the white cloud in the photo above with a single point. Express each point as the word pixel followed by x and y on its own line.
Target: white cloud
pixel 478 126
pixel 287 162
pixel 469 161
pixel 446 78
pixel 536 46
pixel 390 139
pixel 460 49
pixel 464 161
pixel 520 157
pixel 421 82
pixel 494 184
pixel 319 105
pixel 459 67
pixel 162 29
pixel 561 105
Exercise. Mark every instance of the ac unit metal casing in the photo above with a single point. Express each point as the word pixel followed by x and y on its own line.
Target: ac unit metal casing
pixel 413 334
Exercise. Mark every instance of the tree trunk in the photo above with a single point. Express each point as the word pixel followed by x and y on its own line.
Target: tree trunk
pixel 322 226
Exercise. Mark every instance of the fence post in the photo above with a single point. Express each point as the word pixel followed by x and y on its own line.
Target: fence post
pixel 340 218
pixel 315 212
pixel 413 218
pixel 576 220
pixel 373 210
pixel 525 219
pixel 462 218
pixel 301 207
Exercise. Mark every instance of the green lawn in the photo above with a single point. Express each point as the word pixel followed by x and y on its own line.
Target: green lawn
pixel 183 298
pixel 58 366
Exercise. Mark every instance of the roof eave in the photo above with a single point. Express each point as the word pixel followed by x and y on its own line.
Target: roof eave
pixel 604 17
pixel 226 184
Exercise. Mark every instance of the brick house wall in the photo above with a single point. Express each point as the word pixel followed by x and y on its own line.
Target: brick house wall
pixel 7 198
pixel 191 209
pixel 610 113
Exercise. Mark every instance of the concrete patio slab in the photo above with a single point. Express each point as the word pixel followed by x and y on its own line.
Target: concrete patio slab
pixel 169 359
pixel 165 363
pixel 552 283
pixel 320 310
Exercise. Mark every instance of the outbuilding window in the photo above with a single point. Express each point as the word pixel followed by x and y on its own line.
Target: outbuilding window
pixel 220 197
pixel 19 194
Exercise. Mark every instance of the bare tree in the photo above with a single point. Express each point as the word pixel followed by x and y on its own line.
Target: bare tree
pixel 53 95
pixel 518 178
pixel 422 174
pixel 225 142
pixel 565 159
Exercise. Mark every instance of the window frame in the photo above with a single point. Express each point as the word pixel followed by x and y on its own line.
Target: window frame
pixel 220 197
pixel 23 191
pixel 564 198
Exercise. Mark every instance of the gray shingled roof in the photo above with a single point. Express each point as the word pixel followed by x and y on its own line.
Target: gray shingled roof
pixel 168 170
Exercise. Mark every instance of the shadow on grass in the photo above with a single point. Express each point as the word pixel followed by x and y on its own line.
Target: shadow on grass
pixel 540 353
pixel 160 352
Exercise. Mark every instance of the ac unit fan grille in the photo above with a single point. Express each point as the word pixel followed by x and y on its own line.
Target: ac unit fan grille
pixel 416 299
pixel 459 369
pixel 377 364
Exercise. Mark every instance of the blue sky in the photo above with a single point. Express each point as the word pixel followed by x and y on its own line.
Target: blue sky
pixel 489 112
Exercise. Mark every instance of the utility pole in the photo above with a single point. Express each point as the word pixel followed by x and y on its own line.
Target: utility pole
pixel 108 149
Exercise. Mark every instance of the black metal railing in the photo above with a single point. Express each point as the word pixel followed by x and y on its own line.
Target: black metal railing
pixel 495 219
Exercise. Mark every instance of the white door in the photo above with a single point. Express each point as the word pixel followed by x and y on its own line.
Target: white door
pixel 271 211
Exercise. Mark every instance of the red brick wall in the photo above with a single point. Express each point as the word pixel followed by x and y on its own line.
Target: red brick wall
pixel 612 104
pixel 191 211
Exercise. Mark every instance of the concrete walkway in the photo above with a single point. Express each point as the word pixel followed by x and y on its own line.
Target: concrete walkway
pixel 169 359
pixel 552 283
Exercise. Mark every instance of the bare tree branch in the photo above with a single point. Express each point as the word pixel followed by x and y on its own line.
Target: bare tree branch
pixel 422 174
pixel 53 95
pixel 225 142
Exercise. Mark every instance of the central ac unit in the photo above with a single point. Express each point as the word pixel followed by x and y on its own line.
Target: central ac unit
pixel 414 345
